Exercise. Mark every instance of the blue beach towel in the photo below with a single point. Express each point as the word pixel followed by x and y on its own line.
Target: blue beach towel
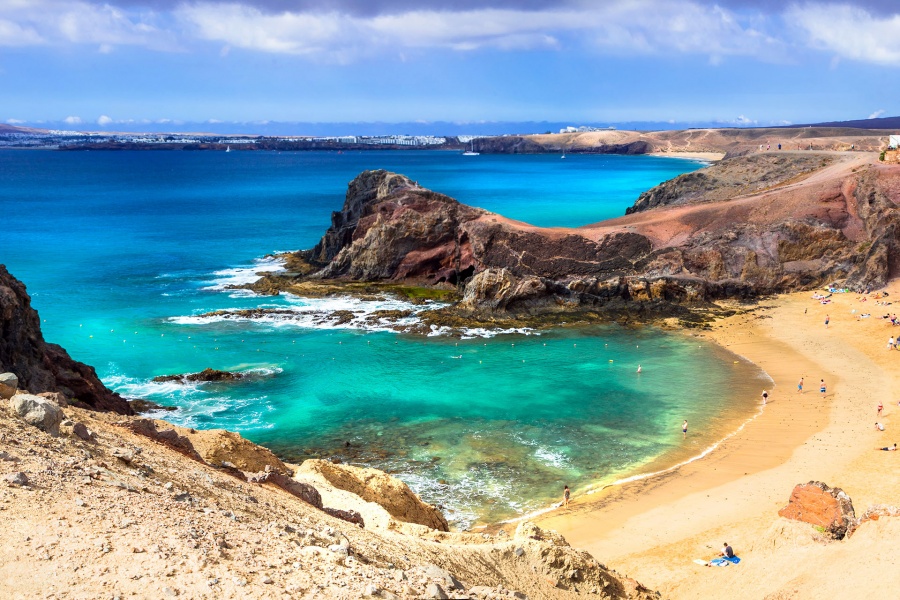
pixel 724 561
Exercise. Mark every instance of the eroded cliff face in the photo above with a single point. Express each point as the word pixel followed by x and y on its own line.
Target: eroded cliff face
pixel 752 225
pixel 43 367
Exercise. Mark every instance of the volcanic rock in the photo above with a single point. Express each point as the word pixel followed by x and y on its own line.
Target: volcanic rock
pixel 43 367
pixel 204 375
pixel 748 226
pixel 823 506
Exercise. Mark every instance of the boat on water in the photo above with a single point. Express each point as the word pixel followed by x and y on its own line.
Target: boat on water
pixel 227 148
pixel 471 150
pixel 564 153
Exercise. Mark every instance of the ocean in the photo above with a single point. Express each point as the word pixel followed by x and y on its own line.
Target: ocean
pixel 122 252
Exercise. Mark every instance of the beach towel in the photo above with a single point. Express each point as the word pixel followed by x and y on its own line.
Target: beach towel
pixel 724 561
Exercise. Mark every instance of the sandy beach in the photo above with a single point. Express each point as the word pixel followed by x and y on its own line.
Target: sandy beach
pixel 654 528
pixel 707 156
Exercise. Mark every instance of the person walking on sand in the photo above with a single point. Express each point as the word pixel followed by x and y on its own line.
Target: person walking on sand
pixel 891 343
pixel 684 429
pixel 880 408
pixel 827 318
pixel 822 387
pixel 800 386
pixel 566 494
pixel 765 397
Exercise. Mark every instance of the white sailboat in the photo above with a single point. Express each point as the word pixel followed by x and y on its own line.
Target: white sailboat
pixel 471 150
pixel 227 148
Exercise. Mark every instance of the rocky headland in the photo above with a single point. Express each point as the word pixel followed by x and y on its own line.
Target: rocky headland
pixel 742 228
pixel 42 367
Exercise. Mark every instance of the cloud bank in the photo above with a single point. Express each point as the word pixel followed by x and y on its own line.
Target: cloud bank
pixel 346 31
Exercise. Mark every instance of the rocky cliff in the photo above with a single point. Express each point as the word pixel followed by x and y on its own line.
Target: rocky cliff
pixel 752 225
pixel 43 367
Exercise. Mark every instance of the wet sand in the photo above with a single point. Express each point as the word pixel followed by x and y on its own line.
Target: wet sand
pixel 653 529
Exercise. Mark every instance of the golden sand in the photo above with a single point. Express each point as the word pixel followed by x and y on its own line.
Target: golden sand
pixel 653 529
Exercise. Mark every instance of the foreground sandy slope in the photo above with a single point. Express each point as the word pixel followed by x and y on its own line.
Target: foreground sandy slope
pixel 123 516
pixel 653 529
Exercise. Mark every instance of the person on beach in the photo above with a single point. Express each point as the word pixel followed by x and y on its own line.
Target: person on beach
pixel 800 386
pixel 727 551
pixel 822 387
pixel 880 408
pixel 566 494
pixel 889 448
pixel 765 397
pixel 879 427
pixel 827 318
pixel 891 343
pixel 684 429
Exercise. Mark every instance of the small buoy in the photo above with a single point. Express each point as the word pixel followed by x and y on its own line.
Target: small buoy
pixel 92 336
pixel 111 330
pixel 610 360
pixel 479 362
pixel 161 335
pixel 80 325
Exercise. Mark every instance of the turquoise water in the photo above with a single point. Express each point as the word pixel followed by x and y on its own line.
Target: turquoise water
pixel 122 251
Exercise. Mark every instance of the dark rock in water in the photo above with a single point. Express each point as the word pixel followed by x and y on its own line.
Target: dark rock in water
pixel 204 375
pixel 823 506
pixel 141 406
pixel 42 367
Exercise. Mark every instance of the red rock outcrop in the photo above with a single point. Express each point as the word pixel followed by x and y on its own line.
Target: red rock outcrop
pixel 43 367
pixel 823 506
pixel 748 226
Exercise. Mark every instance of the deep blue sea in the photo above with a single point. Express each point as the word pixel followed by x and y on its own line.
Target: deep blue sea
pixel 121 251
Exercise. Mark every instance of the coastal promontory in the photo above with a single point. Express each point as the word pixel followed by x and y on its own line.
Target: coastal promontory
pixel 741 228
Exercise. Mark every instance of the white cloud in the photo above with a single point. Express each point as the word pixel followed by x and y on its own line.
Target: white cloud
pixel 79 22
pixel 877 113
pixel 72 120
pixel 103 121
pixel 622 27
pixel 15 34
pixel 849 32
pixel 15 121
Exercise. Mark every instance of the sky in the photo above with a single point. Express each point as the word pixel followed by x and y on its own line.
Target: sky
pixel 135 65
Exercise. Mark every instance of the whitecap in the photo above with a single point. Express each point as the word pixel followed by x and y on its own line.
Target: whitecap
pixel 244 275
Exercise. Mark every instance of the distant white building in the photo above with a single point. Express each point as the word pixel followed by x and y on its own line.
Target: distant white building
pixel 894 141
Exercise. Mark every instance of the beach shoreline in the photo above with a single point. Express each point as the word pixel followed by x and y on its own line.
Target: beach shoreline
pixel 654 527
pixel 704 156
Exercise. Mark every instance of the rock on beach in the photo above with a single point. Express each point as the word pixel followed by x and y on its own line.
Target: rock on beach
pixel 37 411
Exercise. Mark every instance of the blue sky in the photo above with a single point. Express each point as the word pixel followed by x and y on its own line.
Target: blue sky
pixel 130 64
